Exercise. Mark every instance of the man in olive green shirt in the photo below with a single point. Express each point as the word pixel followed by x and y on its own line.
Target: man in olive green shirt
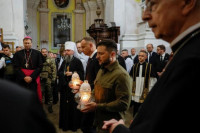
pixel 112 87
pixel 47 76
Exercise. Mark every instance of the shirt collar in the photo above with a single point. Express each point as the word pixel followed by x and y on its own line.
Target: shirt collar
pixel 93 54
pixel 185 33
pixel 163 55
pixel 142 63
pixel 112 66
pixel 28 51
pixel 11 55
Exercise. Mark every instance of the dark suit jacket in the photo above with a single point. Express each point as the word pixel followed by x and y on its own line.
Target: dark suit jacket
pixel 161 64
pixel 153 58
pixel 136 60
pixel 21 111
pixel 92 69
pixel 121 61
pixel 172 104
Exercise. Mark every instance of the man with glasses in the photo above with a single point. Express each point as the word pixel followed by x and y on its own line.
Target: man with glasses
pixel 171 106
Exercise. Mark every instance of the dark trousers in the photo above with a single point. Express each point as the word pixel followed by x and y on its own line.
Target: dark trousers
pixel 87 123
pixel 55 92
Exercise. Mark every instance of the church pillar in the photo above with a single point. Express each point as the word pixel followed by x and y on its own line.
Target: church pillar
pixel 12 20
pixel 31 28
pixel 79 12
pixel 44 24
pixel 91 8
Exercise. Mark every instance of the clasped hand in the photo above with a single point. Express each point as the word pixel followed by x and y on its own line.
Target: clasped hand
pixel 28 79
pixel 112 124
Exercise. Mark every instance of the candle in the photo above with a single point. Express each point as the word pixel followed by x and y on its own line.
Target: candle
pixel 85 97
pixel 75 80
pixel 85 93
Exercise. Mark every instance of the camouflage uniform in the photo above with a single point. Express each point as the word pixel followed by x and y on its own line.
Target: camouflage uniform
pixel 47 76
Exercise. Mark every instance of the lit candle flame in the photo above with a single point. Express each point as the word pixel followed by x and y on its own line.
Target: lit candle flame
pixel 85 98
pixel 75 83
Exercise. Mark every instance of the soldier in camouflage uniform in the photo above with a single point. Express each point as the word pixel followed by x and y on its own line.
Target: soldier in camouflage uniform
pixel 47 76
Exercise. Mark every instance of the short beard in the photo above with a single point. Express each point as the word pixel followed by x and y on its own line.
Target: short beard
pixel 105 63
pixel 68 58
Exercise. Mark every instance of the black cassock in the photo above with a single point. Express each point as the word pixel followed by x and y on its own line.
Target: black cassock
pixel 34 61
pixel 172 105
pixel 70 116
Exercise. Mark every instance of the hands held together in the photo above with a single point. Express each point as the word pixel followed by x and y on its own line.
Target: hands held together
pixel 112 124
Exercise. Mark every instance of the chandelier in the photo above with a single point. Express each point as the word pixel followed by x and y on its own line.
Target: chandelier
pixel 63 23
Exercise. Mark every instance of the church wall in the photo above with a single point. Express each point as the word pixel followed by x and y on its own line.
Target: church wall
pixel 53 9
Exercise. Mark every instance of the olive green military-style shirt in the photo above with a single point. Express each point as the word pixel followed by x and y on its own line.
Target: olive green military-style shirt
pixel 112 93
pixel 49 70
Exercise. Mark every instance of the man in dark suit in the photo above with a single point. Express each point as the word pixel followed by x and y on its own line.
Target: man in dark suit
pixel 21 111
pixel 151 54
pixel 121 61
pixel 89 48
pixel 162 59
pixel 172 104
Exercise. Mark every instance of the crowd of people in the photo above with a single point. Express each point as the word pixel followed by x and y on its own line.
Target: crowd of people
pixel 157 85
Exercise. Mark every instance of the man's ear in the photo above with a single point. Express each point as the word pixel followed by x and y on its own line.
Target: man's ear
pixel 113 54
pixel 188 6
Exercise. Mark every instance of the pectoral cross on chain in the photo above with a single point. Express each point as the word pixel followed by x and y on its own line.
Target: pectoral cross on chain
pixel 26 65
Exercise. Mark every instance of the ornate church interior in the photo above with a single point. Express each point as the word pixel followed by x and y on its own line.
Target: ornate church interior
pixel 52 22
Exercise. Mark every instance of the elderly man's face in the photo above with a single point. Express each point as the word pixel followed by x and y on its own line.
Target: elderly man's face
pixel 149 47
pixel 164 17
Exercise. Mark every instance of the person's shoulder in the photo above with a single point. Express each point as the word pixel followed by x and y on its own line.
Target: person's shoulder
pixel 120 70
pixel 76 59
pixel 18 53
pixel 14 92
pixel 167 54
pixel 36 51
pixel 120 57
pixel 154 53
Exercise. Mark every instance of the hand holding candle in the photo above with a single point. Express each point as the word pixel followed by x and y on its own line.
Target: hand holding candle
pixel 85 94
pixel 75 81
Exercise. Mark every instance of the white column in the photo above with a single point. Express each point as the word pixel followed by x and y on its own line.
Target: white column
pixel 12 20
pixel 44 25
pixel 31 21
